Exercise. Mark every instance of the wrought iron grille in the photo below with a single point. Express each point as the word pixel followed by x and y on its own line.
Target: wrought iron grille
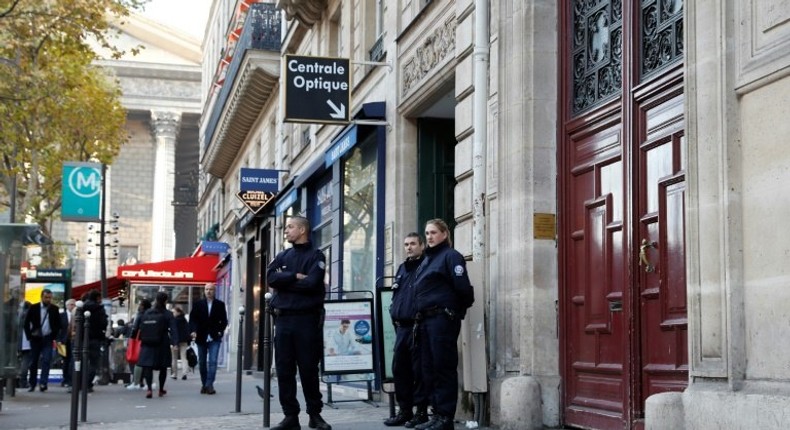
pixel 597 52
pixel 662 34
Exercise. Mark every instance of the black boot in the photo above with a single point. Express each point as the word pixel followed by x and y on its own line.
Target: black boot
pixel 290 422
pixel 404 416
pixel 441 423
pixel 421 417
pixel 316 422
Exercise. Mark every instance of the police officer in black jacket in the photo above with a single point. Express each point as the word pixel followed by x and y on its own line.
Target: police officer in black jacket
pixel 297 277
pixel 443 294
pixel 409 391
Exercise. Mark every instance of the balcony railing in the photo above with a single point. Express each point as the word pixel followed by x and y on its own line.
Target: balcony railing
pixel 261 31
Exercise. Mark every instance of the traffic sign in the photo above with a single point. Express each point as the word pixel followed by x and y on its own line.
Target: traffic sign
pixel 317 89
pixel 81 192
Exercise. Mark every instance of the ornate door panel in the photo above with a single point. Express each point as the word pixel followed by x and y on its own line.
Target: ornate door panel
pixel 661 230
pixel 623 332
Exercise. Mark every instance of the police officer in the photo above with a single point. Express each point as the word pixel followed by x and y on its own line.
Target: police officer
pixel 409 391
pixel 443 294
pixel 297 277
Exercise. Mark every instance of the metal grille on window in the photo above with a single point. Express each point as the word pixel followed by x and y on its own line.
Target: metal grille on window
pixel 662 34
pixel 597 52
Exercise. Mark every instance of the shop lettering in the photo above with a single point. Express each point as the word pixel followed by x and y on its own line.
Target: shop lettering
pixel 157 274
pixel 253 180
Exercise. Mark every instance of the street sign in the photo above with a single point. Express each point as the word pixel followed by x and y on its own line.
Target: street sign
pixel 317 89
pixel 81 192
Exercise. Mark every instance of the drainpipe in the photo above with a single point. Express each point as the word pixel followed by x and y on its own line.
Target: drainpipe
pixel 480 63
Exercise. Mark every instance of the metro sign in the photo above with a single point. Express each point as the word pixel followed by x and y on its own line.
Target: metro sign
pixel 317 89
pixel 81 192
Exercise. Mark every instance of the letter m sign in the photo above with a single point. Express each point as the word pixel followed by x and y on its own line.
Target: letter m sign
pixel 81 188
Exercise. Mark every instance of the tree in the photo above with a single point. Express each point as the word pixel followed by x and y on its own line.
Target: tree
pixel 55 106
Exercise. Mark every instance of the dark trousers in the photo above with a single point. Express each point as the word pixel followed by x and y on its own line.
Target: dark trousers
pixel 438 337
pixel 40 350
pixel 94 359
pixel 298 343
pixel 409 390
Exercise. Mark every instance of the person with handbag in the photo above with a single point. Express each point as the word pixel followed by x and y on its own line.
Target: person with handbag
pixel 64 340
pixel 42 325
pixel 134 343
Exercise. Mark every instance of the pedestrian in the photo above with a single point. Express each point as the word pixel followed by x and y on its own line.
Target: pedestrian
pixel 64 338
pixel 158 334
pixel 42 326
pixel 180 350
pixel 207 323
pixel 443 294
pixel 409 390
pixel 297 277
pixel 137 371
pixel 97 334
pixel 24 346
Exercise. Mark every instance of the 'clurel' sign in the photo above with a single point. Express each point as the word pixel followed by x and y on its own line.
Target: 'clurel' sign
pixel 317 89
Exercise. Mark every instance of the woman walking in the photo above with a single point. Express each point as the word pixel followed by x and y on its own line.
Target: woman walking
pixel 158 333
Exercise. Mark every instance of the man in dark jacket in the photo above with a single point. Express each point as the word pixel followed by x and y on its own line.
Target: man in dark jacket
pixel 97 333
pixel 207 323
pixel 42 326
pixel 409 390
pixel 297 277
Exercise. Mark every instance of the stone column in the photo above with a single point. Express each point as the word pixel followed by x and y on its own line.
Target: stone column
pixel 165 126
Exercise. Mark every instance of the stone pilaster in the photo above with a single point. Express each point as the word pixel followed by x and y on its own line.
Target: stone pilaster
pixel 165 126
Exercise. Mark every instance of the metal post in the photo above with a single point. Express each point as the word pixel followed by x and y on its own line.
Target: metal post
pixel 76 345
pixel 267 359
pixel 239 351
pixel 86 365
pixel 104 358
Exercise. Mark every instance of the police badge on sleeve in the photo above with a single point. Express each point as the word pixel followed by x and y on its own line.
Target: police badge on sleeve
pixel 459 270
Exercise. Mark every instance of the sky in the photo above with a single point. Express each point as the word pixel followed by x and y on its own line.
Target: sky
pixel 188 16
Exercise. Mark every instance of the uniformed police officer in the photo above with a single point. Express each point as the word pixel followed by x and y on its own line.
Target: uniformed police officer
pixel 409 391
pixel 297 277
pixel 443 294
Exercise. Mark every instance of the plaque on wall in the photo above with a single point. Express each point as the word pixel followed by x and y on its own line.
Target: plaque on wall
pixel 544 226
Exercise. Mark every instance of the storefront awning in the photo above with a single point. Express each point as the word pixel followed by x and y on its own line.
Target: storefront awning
pixel 181 271
pixel 114 288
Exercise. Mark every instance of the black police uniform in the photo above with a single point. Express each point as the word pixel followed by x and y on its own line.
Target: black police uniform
pixel 298 307
pixel 409 391
pixel 443 293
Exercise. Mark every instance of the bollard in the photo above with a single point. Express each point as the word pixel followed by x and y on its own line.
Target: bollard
pixel 239 350
pixel 267 359
pixel 86 366
pixel 77 362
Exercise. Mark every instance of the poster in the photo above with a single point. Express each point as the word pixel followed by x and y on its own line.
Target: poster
pixel 348 336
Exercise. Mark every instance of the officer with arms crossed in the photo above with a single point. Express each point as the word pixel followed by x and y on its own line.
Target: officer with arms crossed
pixel 443 294
pixel 409 391
pixel 297 277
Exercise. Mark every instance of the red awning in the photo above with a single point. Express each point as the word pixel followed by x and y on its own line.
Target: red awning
pixel 114 288
pixel 181 271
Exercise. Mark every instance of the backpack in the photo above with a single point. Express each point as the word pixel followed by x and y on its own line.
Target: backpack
pixel 152 327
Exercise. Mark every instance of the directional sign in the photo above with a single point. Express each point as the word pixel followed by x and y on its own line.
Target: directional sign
pixel 81 192
pixel 317 89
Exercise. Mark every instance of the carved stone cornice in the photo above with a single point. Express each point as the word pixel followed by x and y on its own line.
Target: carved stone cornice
pixel 165 124
pixel 433 50
pixel 307 12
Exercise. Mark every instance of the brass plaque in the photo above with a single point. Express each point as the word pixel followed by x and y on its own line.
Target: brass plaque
pixel 544 226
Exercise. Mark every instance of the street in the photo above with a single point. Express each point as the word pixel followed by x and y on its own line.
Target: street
pixel 115 407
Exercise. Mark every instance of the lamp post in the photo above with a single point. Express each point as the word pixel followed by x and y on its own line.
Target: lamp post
pixel 239 350
pixel 267 359
pixel 87 365
pixel 76 375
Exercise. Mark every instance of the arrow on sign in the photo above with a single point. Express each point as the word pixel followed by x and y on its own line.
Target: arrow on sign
pixel 340 112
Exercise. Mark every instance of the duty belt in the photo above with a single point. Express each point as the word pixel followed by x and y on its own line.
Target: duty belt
pixel 430 312
pixel 290 312
pixel 403 323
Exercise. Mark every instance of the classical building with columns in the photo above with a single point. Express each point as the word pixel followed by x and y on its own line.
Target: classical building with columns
pixel 612 171
pixel 153 181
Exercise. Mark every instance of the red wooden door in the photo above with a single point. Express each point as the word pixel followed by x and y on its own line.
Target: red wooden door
pixel 622 196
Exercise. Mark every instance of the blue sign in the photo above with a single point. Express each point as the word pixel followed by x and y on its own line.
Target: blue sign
pixel 214 247
pixel 286 202
pixel 342 144
pixel 266 180
pixel 81 192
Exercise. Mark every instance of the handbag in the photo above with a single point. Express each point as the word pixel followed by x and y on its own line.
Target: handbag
pixel 62 349
pixel 133 349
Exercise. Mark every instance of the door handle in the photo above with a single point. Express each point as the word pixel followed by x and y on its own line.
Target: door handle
pixel 643 260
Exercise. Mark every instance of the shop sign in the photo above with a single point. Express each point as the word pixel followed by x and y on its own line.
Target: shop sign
pixel 267 180
pixel 255 200
pixel 166 274
pixel 341 145
pixel 317 89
